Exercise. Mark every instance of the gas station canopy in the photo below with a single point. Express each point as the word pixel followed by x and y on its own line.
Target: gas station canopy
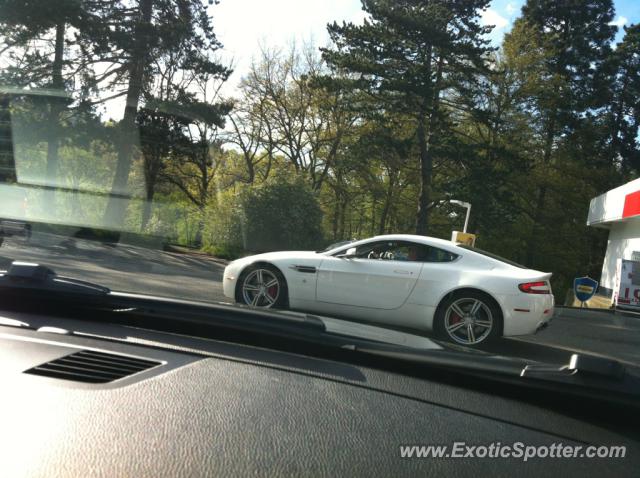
pixel 619 211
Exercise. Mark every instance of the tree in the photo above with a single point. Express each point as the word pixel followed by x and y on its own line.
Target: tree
pixel 196 151
pixel 138 33
pixel 624 108
pixel 251 133
pixel 409 55
pixel 34 33
pixel 282 215
pixel 160 134
pixel 557 50
pixel 289 115
pixel 177 103
pixel 192 168
pixel 378 159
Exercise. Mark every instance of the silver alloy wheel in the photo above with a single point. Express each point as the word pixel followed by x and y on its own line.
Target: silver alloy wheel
pixel 468 321
pixel 261 288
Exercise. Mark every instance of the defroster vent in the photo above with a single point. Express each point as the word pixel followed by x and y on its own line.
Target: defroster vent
pixel 92 367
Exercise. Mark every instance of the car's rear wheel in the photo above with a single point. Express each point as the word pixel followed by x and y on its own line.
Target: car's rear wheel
pixel 468 318
pixel 262 286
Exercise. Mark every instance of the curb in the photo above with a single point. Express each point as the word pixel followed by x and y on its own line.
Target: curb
pixel 613 311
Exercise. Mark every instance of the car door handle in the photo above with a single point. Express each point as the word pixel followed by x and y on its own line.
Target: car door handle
pixel 400 271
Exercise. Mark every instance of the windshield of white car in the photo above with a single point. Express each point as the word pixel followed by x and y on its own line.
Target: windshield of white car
pixel 335 245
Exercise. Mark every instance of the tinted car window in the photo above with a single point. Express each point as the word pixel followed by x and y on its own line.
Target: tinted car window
pixel 492 256
pixel 434 254
pixel 403 251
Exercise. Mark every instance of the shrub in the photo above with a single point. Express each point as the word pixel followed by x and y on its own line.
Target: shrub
pixel 275 216
pixel 281 215
pixel 223 225
pixel 224 251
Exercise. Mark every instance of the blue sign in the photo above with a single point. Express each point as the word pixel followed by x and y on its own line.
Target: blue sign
pixel 584 288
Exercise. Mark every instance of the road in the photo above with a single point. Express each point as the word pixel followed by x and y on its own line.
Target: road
pixel 121 267
pixel 198 277
pixel 579 331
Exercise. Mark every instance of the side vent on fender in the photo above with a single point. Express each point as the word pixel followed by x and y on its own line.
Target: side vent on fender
pixel 92 367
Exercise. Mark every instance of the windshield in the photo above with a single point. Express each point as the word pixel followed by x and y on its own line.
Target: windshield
pixel 234 151
pixel 335 245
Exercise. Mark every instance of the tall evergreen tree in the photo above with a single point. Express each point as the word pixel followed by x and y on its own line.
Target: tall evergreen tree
pixel 623 123
pixel 576 37
pixel 557 50
pixel 410 56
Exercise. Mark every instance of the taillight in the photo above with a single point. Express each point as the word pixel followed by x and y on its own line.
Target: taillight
pixel 541 287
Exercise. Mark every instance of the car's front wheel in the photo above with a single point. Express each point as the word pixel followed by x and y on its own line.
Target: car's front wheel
pixel 262 286
pixel 468 318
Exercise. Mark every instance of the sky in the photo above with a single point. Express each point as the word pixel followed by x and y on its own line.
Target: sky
pixel 243 25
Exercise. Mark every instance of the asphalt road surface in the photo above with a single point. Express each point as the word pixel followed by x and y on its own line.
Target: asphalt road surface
pixel 122 267
pixel 197 277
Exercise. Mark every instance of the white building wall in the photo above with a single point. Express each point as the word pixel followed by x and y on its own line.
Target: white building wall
pixel 624 240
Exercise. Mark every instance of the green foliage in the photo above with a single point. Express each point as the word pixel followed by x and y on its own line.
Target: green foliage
pixel 623 94
pixel 224 251
pixel 223 226
pixel 277 215
pixel 409 57
pixel 282 215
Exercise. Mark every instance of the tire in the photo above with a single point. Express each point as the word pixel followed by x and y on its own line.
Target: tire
pixel 262 286
pixel 455 320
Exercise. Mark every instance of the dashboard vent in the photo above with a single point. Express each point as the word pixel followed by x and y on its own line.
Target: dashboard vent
pixel 92 367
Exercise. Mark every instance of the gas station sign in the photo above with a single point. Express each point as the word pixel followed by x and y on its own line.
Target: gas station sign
pixel 584 288
pixel 463 238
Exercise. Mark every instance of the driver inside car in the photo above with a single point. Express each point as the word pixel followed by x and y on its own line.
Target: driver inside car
pixel 412 254
pixel 376 253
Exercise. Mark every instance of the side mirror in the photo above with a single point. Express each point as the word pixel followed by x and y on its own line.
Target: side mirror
pixel 350 253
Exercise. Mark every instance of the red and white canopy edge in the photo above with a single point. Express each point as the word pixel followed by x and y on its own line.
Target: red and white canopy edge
pixel 618 204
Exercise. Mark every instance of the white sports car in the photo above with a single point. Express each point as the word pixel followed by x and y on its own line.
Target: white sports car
pixel 464 295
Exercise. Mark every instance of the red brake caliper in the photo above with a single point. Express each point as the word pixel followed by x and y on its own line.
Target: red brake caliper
pixel 272 291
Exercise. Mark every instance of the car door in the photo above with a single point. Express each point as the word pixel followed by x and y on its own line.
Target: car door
pixel 379 280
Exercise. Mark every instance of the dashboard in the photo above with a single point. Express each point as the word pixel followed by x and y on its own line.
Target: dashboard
pixel 90 399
